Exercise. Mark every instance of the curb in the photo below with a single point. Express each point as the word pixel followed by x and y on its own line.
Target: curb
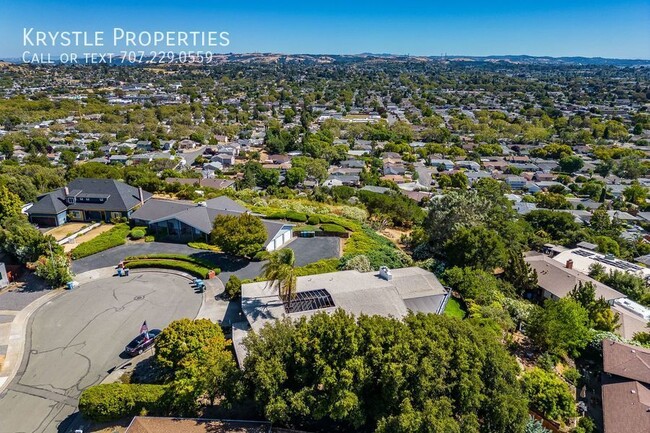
pixel 17 338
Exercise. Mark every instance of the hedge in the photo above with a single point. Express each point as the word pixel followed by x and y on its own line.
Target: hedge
pixel 181 257
pixel 113 401
pixel 313 220
pixel 332 228
pixel 114 237
pixel 289 215
pixel 204 246
pixel 179 265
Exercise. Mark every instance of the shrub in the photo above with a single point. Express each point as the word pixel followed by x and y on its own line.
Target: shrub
pixel 114 237
pixel 332 228
pixel 149 238
pixel 137 233
pixel 170 256
pixel 572 375
pixel 190 268
pixel 233 287
pixel 261 255
pixel 204 246
pixel 313 220
pixel 359 262
pixel 548 394
pixel 320 267
pixel 113 401
pixel 289 215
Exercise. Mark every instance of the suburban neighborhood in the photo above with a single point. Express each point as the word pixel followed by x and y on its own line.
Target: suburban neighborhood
pixel 265 242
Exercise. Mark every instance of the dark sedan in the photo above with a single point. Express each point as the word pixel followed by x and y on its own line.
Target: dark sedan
pixel 142 342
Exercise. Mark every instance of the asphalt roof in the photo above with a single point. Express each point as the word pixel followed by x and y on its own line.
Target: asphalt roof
pixel 119 197
pixel 557 279
pixel 353 291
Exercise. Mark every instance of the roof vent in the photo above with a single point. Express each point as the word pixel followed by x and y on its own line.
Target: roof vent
pixel 385 273
pixel 202 204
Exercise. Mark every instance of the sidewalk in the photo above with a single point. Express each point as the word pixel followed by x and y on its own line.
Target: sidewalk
pixel 14 339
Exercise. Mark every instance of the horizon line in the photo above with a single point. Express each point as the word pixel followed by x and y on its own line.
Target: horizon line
pixel 280 53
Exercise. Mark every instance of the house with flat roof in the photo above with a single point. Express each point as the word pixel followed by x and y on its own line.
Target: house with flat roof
pixel 390 293
pixel 583 259
pixel 625 388
pixel 183 221
pixel 87 200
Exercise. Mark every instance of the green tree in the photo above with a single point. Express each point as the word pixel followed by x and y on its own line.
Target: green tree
pixel 280 272
pixel 571 164
pixel 10 204
pixel 635 193
pixel 561 327
pixel 233 287
pixel 477 247
pixel 519 273
pixel 601 316
pixel 242 235
pixel 295 176
pixel 459 180
pixel 342 373
pixel 182 339
pixel 548 394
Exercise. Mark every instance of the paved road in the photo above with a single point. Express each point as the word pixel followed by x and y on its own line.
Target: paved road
pixel 308 250
pixel 76 338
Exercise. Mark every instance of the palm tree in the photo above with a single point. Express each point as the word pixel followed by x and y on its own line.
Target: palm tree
pixel 280 272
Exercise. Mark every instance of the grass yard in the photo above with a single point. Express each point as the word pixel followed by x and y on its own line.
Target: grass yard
pixel 454 309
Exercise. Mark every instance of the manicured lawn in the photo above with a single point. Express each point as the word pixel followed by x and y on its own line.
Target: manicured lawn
pixel 454 309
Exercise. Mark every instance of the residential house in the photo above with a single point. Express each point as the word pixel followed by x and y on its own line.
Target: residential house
pixel 625 388
pixel 187 144
pixel 389 293
pixel 440 163
pixel 184 221
pixel 224 159
pixel 583 259
pixel 515 182
pixel 87 200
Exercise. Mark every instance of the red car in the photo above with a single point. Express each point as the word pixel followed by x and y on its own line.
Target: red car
pixel 142 342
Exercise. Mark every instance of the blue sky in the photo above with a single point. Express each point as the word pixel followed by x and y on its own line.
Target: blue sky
pixel 557 28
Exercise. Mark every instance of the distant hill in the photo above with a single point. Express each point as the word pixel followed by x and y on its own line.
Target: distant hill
pixel 370 57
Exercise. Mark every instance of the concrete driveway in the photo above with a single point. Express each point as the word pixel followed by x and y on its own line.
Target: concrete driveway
pixel 76 338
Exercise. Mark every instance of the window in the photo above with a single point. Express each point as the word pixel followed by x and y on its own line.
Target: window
pixel 307 301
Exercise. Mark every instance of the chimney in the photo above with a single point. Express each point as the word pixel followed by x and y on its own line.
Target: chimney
pixel 569 264
pixel 385 273
pixel 141 195
pixel 66 190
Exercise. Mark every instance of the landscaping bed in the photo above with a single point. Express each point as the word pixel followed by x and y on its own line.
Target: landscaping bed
pixel 192 265
pixel 112 238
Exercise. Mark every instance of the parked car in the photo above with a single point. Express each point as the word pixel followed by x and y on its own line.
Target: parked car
pixel 142 342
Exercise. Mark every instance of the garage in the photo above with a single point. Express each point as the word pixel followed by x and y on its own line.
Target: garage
pixel 281 237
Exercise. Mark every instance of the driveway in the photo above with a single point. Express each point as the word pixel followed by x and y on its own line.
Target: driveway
pixel 308 250
pixel 76 338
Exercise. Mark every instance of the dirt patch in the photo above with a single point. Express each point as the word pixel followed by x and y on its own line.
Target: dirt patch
pixel 112 427
pixel 86 237
pixel 395 235
pixel 65 230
